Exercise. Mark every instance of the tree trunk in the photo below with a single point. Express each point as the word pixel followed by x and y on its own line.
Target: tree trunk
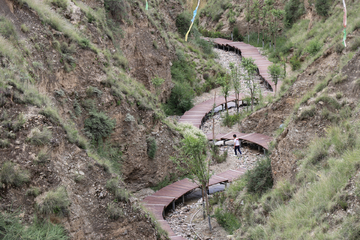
pixel 226 106
pixel 208 211
pixel 252 100
pixel 275 89
pixel 203 200
pixel 258 33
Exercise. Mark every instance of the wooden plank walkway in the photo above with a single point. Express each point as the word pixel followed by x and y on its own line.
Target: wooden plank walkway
pixel 246 50
pixel 160 200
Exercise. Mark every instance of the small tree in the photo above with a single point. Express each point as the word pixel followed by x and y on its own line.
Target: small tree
pixel 248 17
pixel 250 67
pixel 275 71
pixel 192 159
pixel 236 83
pixel 276 15
pixel 157 82
pixel 225 88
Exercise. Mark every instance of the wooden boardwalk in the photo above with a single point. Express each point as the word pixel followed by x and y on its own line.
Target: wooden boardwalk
pixel 246 50
pixel 159 201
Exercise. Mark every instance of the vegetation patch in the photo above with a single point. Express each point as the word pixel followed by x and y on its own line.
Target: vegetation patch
pixel 55 202
pixel 98 125
pixel 38 137
pixel 227 220
pixel 259 179
pixel 151 147
pixel 12 175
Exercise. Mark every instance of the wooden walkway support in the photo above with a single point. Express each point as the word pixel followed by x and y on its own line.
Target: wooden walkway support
pixel 159 201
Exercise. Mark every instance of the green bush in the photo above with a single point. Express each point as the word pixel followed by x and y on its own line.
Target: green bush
pixel 307 113
pixel 60 3
pixel 322 7
pixel 313 47
pixel 117 8
pixel 181 99
pixel 56 201
pixel 151 147
pixel 120 194
pixel 51 114
pixel 230 120
pixel 329 100
pixel 295 63
pixel 216 155
pixel 356 44
pixel 42 157
pixel 293 11
pixel 11 174
pixel 236 35
pixel 260 179
pixel 98 125
pixel 12 228
pixel 183 22
pixel 227 220
pixel 38 137
pixel 91 91
pixel 4 143
pixel 7 29
pixel 339 47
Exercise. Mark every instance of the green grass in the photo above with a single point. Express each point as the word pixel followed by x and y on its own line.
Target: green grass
pixel 330 101
pixel 55 202
pixel 12 227
pixel 38 137
pixel 12 175
pixel 227 220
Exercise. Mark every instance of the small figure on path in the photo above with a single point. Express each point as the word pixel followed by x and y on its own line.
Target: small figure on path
pixel 236 145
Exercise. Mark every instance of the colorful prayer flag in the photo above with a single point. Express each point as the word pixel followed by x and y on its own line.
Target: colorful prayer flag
pixel 344 23
pixel 192 20
pixel 147 5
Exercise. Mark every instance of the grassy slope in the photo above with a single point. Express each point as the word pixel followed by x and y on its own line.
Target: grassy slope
pixel 314 206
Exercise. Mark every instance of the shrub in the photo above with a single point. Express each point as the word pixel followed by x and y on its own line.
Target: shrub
pixel 339 78
pixel 339 48
pixel 329 100
pixel 356 44
pixel 12 227
pixel 112 185
pixel 227 220
pixel 98 125
pixel 322 7
pixel 51 114
pixel 183 22
pixel 293 10
pixel 313 47
pixel 34 191
pixel 259 179
pixel 4 143
pixel 230 120
pixel 11 174
pixel 307 113
pixel 181 99
pixel 60 3
pixel 113 211
pixel 117 8
pixel 56 201
pixel 120 60
pixel 24 28
pixel 151 147
pixel 216 156
pixel 91 91
pixel 295 63
pixel 7 29
pixel 42 157
pixel 120 194
pixel 38 137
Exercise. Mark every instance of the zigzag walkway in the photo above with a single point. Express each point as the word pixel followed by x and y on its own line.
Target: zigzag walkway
pixel 246 50
pixel 158 202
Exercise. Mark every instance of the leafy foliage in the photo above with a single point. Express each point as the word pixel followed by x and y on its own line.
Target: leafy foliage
pixel 322 7
pixel 227 220
pixel 183 21
pixel 117 8
pixel 98 125
pixel 38 137
pixel 293 10
pixel 259 179
pixel 151 147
